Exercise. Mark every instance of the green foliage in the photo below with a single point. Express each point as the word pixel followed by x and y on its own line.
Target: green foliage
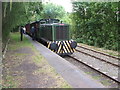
pixel 96 24
pixel 16 14
pixel 52 10
pixel 33 11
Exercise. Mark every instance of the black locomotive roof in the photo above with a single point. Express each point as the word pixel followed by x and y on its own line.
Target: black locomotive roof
pixel 55 24
pixel 49 22
pixel 52 20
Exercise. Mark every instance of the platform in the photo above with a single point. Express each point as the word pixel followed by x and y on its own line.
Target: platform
pixel 74 76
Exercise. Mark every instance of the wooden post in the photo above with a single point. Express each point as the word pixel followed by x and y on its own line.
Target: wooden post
pixel 21 32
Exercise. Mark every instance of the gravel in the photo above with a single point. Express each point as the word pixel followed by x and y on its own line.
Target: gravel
pixel 102 66
pixel 107 58
pixel 99 77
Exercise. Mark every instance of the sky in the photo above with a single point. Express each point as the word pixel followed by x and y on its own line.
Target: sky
pixel 65 3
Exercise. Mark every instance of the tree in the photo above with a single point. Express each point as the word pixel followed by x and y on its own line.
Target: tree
pixel 54 11
pixel 96 24
pixel 16 14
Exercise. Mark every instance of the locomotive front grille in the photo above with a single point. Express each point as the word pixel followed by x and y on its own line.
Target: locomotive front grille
pixel 62 32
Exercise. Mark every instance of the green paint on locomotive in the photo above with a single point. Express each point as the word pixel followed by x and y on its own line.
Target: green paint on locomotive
pixel 54 32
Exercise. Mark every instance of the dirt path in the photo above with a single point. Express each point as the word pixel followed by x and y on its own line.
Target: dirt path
pixel 24 67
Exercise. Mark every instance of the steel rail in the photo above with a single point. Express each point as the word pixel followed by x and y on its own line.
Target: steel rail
pixel 98 58
pixel 95 69
pixel 99 52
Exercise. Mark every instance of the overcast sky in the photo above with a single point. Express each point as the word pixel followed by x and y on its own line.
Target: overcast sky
pixel 65 3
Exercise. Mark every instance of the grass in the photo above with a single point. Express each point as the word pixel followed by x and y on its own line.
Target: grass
pixel 105 82
pixel 96 77
pixel 20 54
pixel 15 42
pixel 39 60
pixel 50 71
pixel 88 72
pixel 10 82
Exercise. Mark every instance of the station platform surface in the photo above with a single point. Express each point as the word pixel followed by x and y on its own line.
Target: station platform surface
pixel 74 76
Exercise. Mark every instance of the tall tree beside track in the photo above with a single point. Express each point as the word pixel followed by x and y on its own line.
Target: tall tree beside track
pixel 96 24
pixel 52 10
pixel 15 14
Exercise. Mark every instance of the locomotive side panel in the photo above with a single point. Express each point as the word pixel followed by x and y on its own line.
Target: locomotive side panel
pixel 46 32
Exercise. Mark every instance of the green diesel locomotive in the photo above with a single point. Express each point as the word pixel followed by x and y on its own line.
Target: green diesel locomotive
pixel 53 34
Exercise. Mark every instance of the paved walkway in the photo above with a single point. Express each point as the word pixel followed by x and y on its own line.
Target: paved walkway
pixel 75 77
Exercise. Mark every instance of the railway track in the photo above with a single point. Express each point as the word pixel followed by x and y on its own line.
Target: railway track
pixel 105 60
pixel 99 58
pixel 109 59
pixel 98 61
pixel 96 69
pixel 114 57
